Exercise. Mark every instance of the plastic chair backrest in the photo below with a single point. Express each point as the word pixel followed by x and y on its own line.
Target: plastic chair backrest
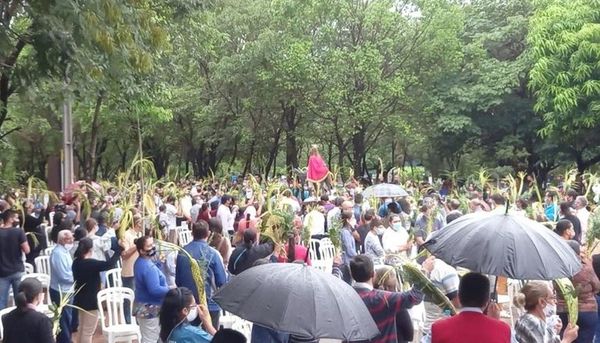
pixel 113 299
pixel 45 281
pixel 47 231
pixel 47 251
pixel 42 264
pixel 29 268
pixel 2 313
pixel 313 251
pixel 113 278
pixel 185 236
pixel 327 249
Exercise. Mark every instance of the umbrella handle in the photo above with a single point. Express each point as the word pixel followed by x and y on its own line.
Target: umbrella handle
pixel 494 295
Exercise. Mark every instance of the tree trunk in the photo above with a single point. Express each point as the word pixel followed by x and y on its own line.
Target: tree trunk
pixel 291 149
pixel 235 152
pixel 248 164
pixel 98 160
pixel 90 167
pixel 358 144
pixel 273 152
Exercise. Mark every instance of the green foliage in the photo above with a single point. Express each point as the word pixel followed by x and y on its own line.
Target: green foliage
pixel 246 86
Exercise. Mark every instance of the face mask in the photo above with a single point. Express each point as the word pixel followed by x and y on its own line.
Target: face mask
pixel 193 314
pixel 380 230
pixel 549 310
pixel 397 226
pixel 151 252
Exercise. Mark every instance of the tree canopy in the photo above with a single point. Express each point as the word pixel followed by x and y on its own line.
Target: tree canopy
pixel 247 86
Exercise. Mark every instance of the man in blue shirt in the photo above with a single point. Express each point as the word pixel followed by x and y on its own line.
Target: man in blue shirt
pixel 550 208
pixel 61 281
pixel 211 264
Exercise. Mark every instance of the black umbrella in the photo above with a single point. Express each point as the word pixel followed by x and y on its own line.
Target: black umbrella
pixel 300 300
pixel 504 245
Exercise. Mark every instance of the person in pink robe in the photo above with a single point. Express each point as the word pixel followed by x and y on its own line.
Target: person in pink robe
pixel 317 170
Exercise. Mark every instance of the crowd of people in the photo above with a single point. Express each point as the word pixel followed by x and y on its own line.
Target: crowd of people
pixel 224 221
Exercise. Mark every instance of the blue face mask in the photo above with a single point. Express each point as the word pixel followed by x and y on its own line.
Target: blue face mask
pixel 397 226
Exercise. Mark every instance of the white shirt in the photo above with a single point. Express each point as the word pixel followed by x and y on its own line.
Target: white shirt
pixel 392 240
pixel 331 215
pixel 171 218
pixel 101 246
pixel 227 218
pixel 186 204
pixel 315 222
pixel 250 209
pixel 194 211
pixel 584 218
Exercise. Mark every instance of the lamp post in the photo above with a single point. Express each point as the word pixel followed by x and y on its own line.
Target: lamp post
pixel 67 155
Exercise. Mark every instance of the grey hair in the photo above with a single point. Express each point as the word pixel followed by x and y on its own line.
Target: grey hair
pixel 582 199
pixel 62 235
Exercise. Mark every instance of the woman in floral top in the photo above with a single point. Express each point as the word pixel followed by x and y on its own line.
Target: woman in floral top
pixel 537 298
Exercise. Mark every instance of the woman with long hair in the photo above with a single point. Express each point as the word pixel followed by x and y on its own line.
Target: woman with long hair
pixel 150 289
pixel 539 301
pixel 25 324
pixel 294 251
pixel 177 311
pixel 217 241
pixel 86 274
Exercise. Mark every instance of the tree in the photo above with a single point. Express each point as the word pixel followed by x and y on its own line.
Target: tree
pixel 564 44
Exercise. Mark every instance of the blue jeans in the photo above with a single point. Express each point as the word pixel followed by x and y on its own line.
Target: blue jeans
pixel 597 337
pixel 129 282
pixel 264 335
pixel 587 322
pixel 13 281
pixel 66 319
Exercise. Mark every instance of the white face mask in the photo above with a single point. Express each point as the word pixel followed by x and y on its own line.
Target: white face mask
pixel 549 310
pixel 397 226
pixel 69 246
pixel 193 314
pixel 380 230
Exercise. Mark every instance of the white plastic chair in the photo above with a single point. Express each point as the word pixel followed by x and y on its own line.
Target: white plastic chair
pixel 185 236
pixel 230 321
pixel 327 251
pixel 47 231
pixel 2 313
pixel 51 220
pixel 42 264
pixel 113 278
pixel 29 268
pixel 114 326
pixel 314 252
pixel 47 251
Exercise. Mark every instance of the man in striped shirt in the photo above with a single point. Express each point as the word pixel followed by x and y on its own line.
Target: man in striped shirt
pixel 382 305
